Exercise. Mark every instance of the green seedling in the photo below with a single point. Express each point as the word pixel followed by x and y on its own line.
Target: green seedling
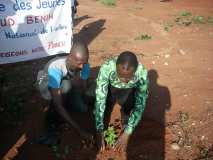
pixel 138 8
pixel 183 117
pixel 210 19
pixel 143 37
pixel 56 152
pixel 185 14
pixel 110 3
pixel 167 26
pixel 67 150
pixel 199 19
pixel 54 148
pixel 186 21
pixel 184 18
pixel 110 136
pixel 204 153
pixel 59 155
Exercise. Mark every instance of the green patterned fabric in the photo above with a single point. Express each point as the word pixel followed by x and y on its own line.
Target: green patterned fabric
pixel 108 75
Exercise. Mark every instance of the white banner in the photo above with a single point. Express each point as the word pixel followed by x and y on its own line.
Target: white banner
pixel 31 29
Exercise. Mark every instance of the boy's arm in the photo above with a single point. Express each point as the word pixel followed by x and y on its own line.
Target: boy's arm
pixel 101 95
pixel 140 102
pixel 57 100
pixel 54 83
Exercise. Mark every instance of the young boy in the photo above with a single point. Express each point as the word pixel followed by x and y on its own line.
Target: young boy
pixel 122 80
pixel 57 87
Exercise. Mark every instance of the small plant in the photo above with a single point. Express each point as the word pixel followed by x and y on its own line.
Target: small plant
pixel 183 117
pixel 56 152
pixel 199 19
pixel 143 37
pixel 167 26
pixel 185 21
pixel 138 8
pixel 108 2
pixel 67 150
pixel 110 136
pixel 206 152
pixel 210 19
pixel 186 18
pixel 185 14
pixel 59 155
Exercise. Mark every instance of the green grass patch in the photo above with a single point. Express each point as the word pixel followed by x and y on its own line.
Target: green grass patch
pixel 110 3
pixel 199 19
pixel 168 26
pixel 185 14
pixel 210 19
pixel 143 37
pixel 61 154
pixel 138 8
pixel 186 18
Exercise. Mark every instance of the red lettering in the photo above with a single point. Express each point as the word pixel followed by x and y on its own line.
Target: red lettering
pixel 52 45
pixel 29 19
pixel 7 22
pixel 39 19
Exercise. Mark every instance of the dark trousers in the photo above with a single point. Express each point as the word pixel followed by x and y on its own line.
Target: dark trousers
pixel 125 98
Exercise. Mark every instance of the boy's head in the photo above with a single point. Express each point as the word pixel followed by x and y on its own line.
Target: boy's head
pixel 126 66
pixel 79 55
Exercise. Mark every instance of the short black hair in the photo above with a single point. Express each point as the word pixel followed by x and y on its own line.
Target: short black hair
pixel 128 59
pixel 81 48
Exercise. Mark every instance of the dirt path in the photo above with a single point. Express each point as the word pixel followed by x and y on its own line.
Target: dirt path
pixel 177 123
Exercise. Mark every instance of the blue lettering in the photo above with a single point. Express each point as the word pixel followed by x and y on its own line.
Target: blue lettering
pixel 50 4
pixel 2 8
pixel 44 4
pixel 61 2
pixel 16 7
pixel 22 6
pixel 39 6
pixel 28 4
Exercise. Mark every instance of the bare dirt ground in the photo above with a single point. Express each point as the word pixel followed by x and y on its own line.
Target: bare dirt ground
pixel 175 46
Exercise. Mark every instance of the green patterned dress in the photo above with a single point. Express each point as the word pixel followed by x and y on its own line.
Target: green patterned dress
pixel 108 75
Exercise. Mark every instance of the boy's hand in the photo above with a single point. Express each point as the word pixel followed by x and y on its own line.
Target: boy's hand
pixel 121 144
pixel 100 141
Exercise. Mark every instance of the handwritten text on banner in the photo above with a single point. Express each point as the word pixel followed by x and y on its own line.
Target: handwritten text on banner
pixel 31 29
